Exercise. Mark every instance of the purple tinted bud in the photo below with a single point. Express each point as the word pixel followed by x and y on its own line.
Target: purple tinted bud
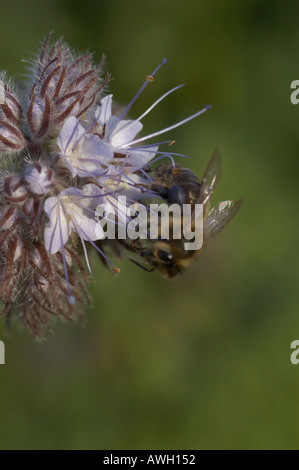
pixel 14 189
pixel 39 178
pixel 10 108
pixel 64 86
pixel 11 137
pixel 8 218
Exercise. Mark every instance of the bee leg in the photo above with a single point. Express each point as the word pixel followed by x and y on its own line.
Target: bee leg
pixel 148 270
pixel 160 190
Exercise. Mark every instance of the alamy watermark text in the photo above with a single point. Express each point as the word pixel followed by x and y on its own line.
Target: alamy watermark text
pixel 156 221
pixel 2 353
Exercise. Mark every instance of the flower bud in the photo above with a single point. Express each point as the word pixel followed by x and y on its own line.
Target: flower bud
pixel 39 178
pixel 8 219
pixel 64 86
pixel 14 189
pixel 11 137
pixel 10 108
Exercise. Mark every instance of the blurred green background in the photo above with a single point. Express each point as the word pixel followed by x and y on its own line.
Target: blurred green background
pixel 202 362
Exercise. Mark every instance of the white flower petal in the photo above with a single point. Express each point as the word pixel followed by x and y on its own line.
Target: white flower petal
pixel 50 205
pixel 69 142
pixel 95 195
pixel 110 127
pixel 58 229
pixel 139 158
pixel 103 112
pixel 83 153
pixel 125 132
pixel 93 146
pixel 93 154
pixel 73 209
pixel 69 135
pixel 84 222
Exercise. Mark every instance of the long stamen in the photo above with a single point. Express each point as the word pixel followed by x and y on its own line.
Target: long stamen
pixel 170 128
pixel 165 155
pixel 85 254
pixel 92 160
pixel 119 175
pixel 147 81
pixel 159 100
pixel 88 173
pixel 95 196
pixel 146 175
pixel 79 229
pixel 173 154
pixel 157 152
pixel 131 123
pixel 153 145
pixel 126 179
pixel 71 298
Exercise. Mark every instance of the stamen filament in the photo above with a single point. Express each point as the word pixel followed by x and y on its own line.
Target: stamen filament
pixel 71 298
pixel 159 100
pixel 140 91
pixel 131 123
pixel 170 128
pixel 85 254
pixel 79 229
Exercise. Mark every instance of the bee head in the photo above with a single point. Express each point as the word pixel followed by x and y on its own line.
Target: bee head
pixel 163 258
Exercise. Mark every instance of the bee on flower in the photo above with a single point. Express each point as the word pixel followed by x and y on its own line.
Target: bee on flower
pixel 62 153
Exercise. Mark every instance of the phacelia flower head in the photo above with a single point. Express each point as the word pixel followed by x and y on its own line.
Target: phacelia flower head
pixel 62 153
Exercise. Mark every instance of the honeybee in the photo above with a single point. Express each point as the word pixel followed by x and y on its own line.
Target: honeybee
pixel 180 185
pixel 176 185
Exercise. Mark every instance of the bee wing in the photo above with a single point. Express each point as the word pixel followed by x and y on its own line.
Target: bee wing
pixel 220 216
pixel 211 177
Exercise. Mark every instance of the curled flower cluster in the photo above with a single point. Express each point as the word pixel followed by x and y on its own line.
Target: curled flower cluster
pixel 63 152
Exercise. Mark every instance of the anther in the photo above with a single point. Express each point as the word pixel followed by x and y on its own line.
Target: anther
pixel 141 89
pixel 71 300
